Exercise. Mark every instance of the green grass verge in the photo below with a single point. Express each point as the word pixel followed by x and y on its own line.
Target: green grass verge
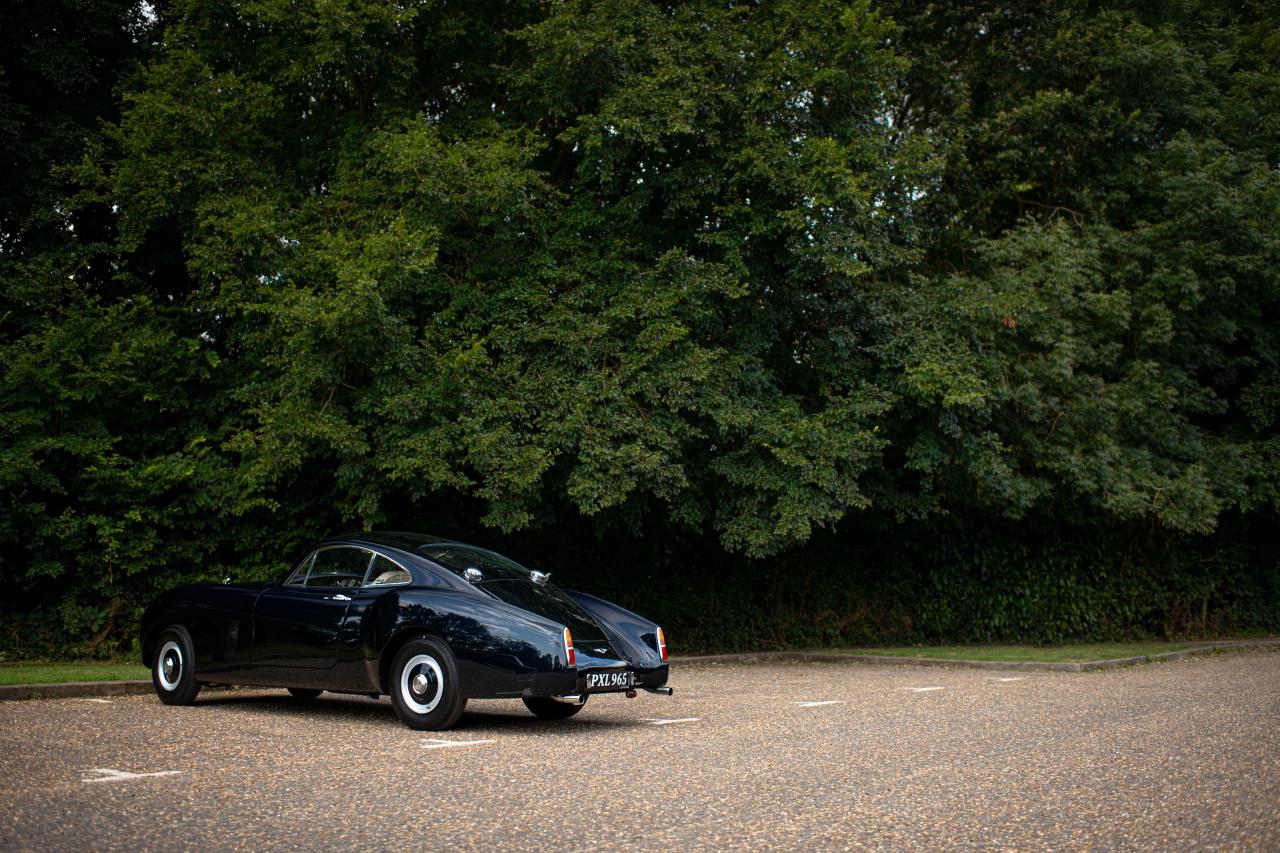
pixel 1041 654
pixel 39 672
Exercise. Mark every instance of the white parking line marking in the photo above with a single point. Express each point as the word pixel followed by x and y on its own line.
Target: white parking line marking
pixel 921 689
pixel 993 678
pixel 110 775
pixel 103 701
pixel 658 721
pixel 440 743
pixel 822 702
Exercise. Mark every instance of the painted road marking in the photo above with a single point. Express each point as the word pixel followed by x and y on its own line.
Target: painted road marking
pixel 658 721
pixel 103 701
pixel 822 702
pixel 921 689
pixel 110 775
pixel 440 743
pixel 1019 678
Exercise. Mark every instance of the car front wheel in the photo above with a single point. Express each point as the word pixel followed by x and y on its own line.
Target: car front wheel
pixel 550 709
pixel 173 673
pixel 424 688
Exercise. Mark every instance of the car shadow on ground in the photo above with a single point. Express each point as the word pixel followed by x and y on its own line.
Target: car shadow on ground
pixel 479 720
pixel 481 716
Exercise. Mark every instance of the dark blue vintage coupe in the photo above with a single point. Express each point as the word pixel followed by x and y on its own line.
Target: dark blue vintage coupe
pixel 429 622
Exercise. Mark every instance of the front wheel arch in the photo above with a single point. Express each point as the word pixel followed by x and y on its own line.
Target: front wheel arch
pixel 173 672
pixel 151 642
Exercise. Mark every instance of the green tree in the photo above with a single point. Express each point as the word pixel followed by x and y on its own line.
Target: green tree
pixel 964 310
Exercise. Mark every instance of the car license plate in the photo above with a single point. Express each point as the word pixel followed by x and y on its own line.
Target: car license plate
pixel 611 680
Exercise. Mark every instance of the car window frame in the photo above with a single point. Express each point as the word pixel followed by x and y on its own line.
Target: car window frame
pixel 304 566
pixel 316 553
pixel 369 573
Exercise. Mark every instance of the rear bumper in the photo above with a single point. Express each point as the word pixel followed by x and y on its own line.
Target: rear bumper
pixel 644 679
pixel 574 682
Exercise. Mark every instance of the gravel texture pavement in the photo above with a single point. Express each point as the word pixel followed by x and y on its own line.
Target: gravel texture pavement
pixel 809 756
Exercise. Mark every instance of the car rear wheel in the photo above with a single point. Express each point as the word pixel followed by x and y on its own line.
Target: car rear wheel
pixel 424 688
pixel 304 692
pixel 550 709
pixel 173 672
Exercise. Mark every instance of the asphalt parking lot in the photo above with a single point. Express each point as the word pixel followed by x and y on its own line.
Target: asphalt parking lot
pixel 744 756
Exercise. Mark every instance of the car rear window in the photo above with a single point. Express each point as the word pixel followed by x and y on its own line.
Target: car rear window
pixel 547 601
pixel 507 580
pixel 458 558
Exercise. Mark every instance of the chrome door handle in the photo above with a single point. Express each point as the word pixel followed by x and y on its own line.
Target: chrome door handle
pixel 339 597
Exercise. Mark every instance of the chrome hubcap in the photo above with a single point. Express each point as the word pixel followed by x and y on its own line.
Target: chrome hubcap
pixel 169 665
pixel 422 684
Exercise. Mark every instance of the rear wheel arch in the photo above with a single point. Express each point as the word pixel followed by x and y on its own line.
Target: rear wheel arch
pixel 393 646
pixel 426 690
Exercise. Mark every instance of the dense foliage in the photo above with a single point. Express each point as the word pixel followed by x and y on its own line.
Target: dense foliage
pixel 785 322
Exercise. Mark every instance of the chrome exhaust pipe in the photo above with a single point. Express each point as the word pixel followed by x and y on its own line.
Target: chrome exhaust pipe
pixel 571 699
pixel 663 691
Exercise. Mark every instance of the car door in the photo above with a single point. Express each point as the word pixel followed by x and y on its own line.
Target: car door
pixel 299 623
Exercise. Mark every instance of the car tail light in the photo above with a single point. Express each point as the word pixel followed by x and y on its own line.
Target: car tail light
pixel 568 648
pixel 662 644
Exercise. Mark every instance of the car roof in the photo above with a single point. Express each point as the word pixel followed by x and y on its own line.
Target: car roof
pixel 405 548
pixel 399 540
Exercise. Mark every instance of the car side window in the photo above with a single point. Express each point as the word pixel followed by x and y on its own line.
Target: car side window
pixel 299 576
pixel 386 573
pixel 339 567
